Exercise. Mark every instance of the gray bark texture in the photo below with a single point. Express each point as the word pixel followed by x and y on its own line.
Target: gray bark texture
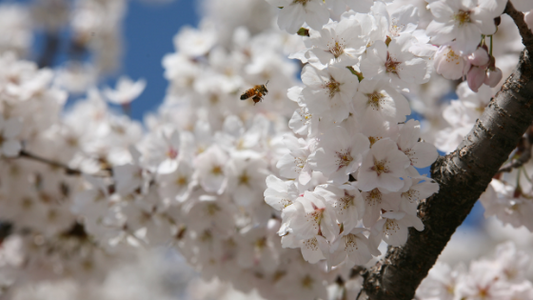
pixel 462 175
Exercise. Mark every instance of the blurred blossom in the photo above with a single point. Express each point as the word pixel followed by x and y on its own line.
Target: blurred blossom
pixel 51 15
pixel 76 77
pixel 15 28
pixel 97 26
pixel 125 91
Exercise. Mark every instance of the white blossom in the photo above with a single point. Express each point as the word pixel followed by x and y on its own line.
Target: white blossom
pixel 126 90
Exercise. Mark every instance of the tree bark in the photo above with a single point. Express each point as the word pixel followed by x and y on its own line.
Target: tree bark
pixel 463 176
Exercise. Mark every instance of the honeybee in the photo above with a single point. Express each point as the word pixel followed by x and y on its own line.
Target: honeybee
pixel 257 92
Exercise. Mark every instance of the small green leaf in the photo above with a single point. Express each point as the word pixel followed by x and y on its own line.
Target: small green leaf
pixel 388 40
pixel 358 74
pixel 303 32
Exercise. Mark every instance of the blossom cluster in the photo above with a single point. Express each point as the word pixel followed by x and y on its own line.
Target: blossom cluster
pixel 349 179
pixel 37 196
pixel 462 30
pixel 93 26
pixel 502 277
pixel 329 163
pixel 508 197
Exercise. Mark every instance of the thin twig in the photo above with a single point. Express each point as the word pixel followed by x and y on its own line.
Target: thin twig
pixel 68 170
pixel 524 157
pixel 525 31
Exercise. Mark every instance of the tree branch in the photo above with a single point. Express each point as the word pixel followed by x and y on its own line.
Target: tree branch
pixel 50 50
pixel 462 175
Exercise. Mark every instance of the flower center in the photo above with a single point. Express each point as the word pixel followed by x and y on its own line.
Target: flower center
pixel 395 28
pixel 300 162
pixel 332 86
pixel 391 226
pixel 343 159
pixel 451 56
pixel 316 217
pixel 260 243
pixel 380 166
pixel 212 209
pixel 391 65
pixel 206 236
pixel 411 195
pixel 307 282
pixel 351 243
pixel 217 170
pixel 347 201
pixel 244 179
pixel 337 49
pixel 181 181
pixel 311 243
pixel 172 153
pixel 375 100
pixel 373 140
pixel 373 197
pixel 463 17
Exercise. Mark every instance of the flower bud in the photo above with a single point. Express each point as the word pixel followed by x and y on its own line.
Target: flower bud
pixel 476 77
pixel 479 58
pixel 493 77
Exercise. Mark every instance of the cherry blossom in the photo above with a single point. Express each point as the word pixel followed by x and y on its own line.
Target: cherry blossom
pixel 395 63
pixel 211 170
pixel 293 14
pixel 450 64
pixel 126 90
pixel 353 249
pixel 310 217
pixel 9 130
pixel 383 167
pixel 377 100
pixel 339 153
pixel 337 43
pixel 420 154
pixel 441 282
pixel 279 193
pixel 294 165
pixel 500 200
pixel 463 21
pixel 329 90
pixel 347 202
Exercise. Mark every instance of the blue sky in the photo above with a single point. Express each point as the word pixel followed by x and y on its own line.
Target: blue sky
pixel 148 30
pixel 148 33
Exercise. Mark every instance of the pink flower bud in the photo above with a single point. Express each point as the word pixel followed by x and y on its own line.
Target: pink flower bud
pixel 479 58
pixel 475 77
pixel 493 77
